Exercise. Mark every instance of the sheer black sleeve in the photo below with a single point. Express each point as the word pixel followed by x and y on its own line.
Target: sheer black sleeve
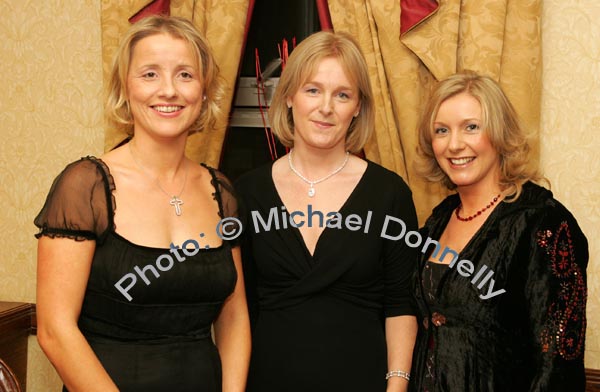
pixel 226 197
pixel 80 203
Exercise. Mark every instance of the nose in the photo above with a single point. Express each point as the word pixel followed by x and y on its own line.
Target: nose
pixel 326 104
pixel 167 87
pixel 456 142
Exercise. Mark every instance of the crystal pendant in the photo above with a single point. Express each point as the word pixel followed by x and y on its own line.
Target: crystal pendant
pixel 311 191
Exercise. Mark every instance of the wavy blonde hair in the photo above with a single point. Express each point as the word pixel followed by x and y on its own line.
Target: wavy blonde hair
pixel 117 110
pixel 499 122
pixel 302 65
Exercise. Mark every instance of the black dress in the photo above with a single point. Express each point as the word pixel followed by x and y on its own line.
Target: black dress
pixel 530 337
pixel 430 279
pixel 158 339
pixel 318 321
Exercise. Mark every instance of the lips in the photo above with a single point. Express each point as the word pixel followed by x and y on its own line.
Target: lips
pixel 322 124
pixel 461 161
pixel 167 108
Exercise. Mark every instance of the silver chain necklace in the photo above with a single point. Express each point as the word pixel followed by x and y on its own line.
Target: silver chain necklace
pixel 311 190
pixel 175 200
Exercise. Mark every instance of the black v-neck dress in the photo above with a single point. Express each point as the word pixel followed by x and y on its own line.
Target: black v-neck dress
pixel 318 321
pixel 161 339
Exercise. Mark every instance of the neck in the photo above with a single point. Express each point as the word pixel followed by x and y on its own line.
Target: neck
pixel 161 158
pixel 317 163
pixel 473 200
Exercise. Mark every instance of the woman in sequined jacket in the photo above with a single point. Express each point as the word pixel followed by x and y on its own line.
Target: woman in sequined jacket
pixel 501 286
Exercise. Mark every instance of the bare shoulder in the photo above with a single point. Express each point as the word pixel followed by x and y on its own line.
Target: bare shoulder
pixel 356 165
pixel 117 159
pixel 280 167
pixel 208 176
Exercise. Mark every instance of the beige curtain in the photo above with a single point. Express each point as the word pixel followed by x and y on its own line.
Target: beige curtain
pixel 221 21
pixel 499 38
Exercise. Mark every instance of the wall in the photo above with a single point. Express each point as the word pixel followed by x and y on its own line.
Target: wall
pixel 571 127
pixel 50 114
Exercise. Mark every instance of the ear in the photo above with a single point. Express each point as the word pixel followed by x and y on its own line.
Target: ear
pixel 357 110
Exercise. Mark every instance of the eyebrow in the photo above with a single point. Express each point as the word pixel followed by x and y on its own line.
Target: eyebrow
pixel 318 84
pixel 154 65
pixel 465 121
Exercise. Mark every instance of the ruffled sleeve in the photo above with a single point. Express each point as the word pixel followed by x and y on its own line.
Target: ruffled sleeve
pixel 556 293
pixel 230 225
pixel 80 203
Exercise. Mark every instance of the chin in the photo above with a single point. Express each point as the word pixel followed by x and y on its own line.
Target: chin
pixel 462 183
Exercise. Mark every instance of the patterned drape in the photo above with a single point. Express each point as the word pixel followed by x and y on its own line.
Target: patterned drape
pixel 221 21
pixel 499 38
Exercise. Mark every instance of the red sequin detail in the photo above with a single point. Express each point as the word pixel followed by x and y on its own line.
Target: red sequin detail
pixel 564 331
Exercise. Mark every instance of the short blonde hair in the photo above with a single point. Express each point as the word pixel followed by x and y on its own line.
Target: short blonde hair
pixel 302 64
pixel 499 121
pixel 117 110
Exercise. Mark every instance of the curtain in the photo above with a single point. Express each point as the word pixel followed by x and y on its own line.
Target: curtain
pixel 222 22
pixel 499 38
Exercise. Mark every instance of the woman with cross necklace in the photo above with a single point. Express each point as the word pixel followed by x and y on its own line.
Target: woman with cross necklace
pixel 106 216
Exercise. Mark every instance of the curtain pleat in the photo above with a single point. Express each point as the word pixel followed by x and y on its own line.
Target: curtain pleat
pixel 324 17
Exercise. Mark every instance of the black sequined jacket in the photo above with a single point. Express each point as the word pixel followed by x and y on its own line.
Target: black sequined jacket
pixel 530 337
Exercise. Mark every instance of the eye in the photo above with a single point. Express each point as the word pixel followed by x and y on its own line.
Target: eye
pixel 472 127
pixel 344 96
pixel 440 131
pixel 150 75
pixel 311 90
pixel 186 75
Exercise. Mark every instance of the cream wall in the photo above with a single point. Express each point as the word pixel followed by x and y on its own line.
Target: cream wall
pixel 570 138
pixel 50 114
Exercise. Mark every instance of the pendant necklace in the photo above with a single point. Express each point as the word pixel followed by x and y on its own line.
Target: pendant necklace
pixel 311 190
pixel 475 215
pixel 175 200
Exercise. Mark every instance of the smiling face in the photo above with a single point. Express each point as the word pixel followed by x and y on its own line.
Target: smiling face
pixel 164 86
pixel 462 149
pixel 323 107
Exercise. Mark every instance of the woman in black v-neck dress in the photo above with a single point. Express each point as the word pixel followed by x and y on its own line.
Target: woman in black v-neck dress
pixel 330 306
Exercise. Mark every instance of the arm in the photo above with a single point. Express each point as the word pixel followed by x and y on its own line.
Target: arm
pixel 400 333
pixel 232 334
pixel 63 271
pixel 400 323
pixel 556 294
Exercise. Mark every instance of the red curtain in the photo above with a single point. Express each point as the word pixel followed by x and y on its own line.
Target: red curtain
pixel 157 7
pixel 414 12
pixel 324 17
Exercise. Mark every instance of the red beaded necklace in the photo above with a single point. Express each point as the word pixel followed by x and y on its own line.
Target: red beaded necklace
pixel 475 215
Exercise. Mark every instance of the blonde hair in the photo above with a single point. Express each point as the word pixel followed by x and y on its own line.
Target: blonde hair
pixel 117 109
pixel 499 121
pixel 302 64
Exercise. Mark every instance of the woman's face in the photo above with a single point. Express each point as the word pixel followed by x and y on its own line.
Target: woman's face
pixel 323 107
pixel 462 149
pixel 164 86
